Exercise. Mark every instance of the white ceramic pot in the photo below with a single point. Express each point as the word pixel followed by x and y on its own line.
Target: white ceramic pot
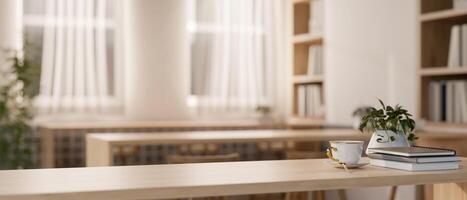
pixel 382 138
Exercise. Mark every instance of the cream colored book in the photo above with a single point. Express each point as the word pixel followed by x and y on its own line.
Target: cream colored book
pixel 454 57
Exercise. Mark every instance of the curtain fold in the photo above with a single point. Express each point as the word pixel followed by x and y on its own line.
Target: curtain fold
pixel 75 72
pixel 238 55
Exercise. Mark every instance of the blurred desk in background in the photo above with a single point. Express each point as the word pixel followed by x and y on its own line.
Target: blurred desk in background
pixel 99 146
pixel 63 143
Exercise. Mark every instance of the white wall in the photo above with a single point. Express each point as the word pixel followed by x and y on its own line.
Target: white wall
pixel 10 25
pixel 371 52
pixel 156 50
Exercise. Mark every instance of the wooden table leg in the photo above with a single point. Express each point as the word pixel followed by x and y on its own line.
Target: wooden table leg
pixel 98 153
pixel 342 194
pixel 450 191
pixel 392 192
pixel 47 148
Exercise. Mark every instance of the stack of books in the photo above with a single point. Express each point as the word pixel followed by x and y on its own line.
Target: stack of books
pixel 414 158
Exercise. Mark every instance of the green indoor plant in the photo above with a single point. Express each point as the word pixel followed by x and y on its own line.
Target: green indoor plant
pixel 357 115
pixel 18 84
pixel 390 126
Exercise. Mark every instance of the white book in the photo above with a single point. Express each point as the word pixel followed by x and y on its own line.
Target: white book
pixel 317 95
pixel 316 60
pixel 309 101
pixel 454 58
pixel 458 92
pixel 463 48
pixel 415 166
pixel 319 59
pixel 463 100
pixel 459 4
pixel 436 99
pixel 449 101
pixel 429 159
pixel 301 100
pixel 316 16
pixel 310 70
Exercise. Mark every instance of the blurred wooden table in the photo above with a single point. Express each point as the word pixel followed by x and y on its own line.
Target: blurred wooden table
pixel 99 146
pixel 49 131
pixel 213 179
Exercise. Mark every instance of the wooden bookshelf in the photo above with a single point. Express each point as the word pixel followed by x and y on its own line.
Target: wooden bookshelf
pixel 301 1
pixel 302 122
pixel 307 39
pixel 443 71
pixel 303 37
pixel 304 79
pixel 443 15
pixel 436 20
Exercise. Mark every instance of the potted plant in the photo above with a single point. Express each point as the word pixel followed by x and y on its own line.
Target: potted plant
pixel 18 84
pixel 358 114
pixel 265 112
pixel 390 126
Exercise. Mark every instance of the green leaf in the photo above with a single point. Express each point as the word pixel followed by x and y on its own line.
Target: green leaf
pixel 381 102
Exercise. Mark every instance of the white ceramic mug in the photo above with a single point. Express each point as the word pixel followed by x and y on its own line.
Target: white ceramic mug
pixel 345 151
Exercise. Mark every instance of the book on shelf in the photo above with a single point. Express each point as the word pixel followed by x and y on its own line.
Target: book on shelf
pixel 414 158
pixel 315 60
pixel 301 100
pixel 457 54
pixel 459 4
pixel 316 20
pixel 448 101
pixel 309 101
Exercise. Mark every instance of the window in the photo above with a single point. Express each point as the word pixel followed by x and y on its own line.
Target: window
pixel 233 68
pixel 73 40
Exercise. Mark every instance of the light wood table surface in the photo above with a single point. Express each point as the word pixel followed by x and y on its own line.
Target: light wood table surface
pixel 213 179
pixel 99 146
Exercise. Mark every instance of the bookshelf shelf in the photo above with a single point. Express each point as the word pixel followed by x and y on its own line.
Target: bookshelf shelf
pixel 297 121
pixel 443 15
pixel 301 1
pixel 305 79
pixel 307 92
pixel 442 71
pixel 307 39
pixel 444 125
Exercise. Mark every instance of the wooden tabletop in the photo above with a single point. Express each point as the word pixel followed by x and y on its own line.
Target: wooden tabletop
pixel 196 180
pixel 116 124
pixel 229 136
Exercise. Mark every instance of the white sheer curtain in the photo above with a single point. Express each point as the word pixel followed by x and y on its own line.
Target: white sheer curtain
pixel 75 71
pixel 238 55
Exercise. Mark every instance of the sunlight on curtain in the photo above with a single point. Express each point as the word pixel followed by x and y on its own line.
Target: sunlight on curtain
pixel 75 71
pixel 237 55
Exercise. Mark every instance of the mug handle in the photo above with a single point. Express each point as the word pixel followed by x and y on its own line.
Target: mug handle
pixel 329 154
